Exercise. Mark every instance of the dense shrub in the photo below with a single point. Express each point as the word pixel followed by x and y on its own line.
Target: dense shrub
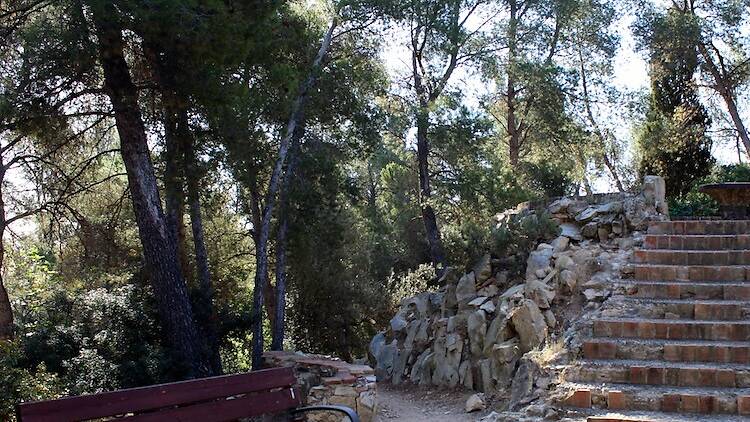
pixel 514 238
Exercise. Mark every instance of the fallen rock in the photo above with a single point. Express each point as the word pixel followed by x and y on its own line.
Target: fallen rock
pixel 560 244
pixel 568 278
pixel 475 403
pixel 590 230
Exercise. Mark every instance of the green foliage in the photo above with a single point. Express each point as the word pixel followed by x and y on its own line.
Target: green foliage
pixel 19 383
pixel 672 142
pixel 695 203
pixel 514 238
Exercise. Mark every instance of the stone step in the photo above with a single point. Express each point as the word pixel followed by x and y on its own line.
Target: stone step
pixel 700 227
pixel 649 372
pixel 687 290
pixel 671 329
pixel 683 257
pixel 692 272
pixel 670 350
pixel 690 309
pixel 634 397
pixel 697 242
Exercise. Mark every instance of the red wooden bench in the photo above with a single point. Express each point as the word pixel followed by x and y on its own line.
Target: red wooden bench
pixel 224 398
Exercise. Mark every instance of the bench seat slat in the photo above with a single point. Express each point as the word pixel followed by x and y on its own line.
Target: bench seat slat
pixel 225 410
pixel 154 397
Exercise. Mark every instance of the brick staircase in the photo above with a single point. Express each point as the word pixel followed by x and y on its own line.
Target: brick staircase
pixel 677 346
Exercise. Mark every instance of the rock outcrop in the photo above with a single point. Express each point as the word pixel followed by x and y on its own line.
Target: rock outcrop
pixel 477 331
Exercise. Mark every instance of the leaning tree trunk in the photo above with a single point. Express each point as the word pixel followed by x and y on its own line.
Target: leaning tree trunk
pixel 159 249
pixel 722 85
pixel 295 120
pixel 600 136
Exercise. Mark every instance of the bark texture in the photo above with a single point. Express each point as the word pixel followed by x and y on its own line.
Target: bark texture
pixel 159 249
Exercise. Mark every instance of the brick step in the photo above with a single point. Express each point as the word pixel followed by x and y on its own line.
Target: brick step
pixel 650 372
pixel 630 416
pixel 690 309
pixel 632 397
pixel 683 257
pixel 697 242
pixel 700 227
pixel 672 329
pixel 669 351
pixel 692 272
pixel 686 290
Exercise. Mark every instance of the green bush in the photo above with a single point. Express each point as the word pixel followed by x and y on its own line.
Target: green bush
pixel 23 384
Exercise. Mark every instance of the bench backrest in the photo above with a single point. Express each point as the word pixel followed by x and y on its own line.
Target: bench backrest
pixel 215 399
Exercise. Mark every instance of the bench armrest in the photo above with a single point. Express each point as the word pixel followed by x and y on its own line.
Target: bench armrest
pixel 342 409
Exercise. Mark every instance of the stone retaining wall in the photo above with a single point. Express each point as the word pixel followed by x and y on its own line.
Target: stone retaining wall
pixel 325 380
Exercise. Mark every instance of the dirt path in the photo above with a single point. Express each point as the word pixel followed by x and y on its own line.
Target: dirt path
pixel 422 405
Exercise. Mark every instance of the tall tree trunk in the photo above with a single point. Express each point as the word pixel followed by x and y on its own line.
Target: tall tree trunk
pixel 437 252
pixel 174 182
pixel 295 120
pixel 205 286
pixel 514 132
pixel 597 131
pixel 425 98
pixel 174 172
pixel 6 311
pixel 159 249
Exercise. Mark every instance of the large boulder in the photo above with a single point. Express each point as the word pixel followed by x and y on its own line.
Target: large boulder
pixel 477 327
pixel 529 323
pixel 466 290
pixel 539 261
pixel 540 293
